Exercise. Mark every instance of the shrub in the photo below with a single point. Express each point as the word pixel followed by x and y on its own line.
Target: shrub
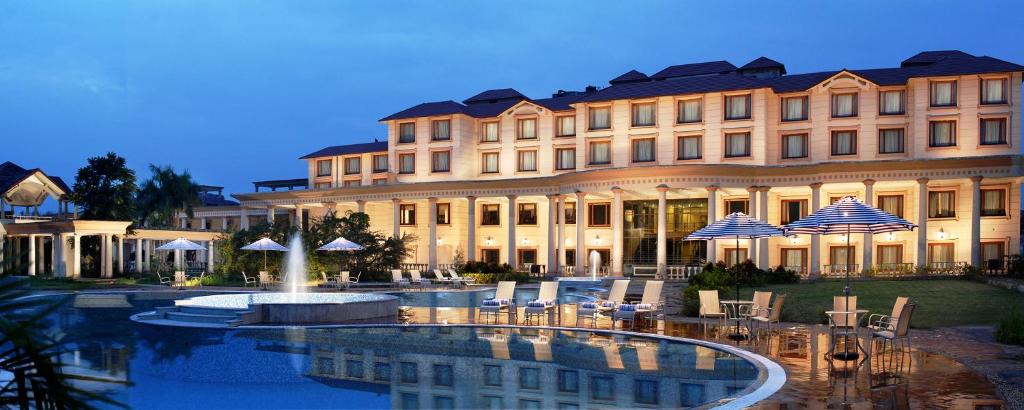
pixel 1011 328
pixel 721 278
pixel 484 267
pixel 490 278
pixel 713 279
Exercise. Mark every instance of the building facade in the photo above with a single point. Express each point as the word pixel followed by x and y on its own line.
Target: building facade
pixel 630 169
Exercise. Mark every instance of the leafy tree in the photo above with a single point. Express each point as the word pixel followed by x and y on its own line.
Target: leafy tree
pixel 164 194
pixel 105 189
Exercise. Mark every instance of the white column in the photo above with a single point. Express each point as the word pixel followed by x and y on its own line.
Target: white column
pixel 867 252
pixel 138 255
pixel 762 214
pixel 108 255
pixel 270 214
pixel 184 222
pixel 178 260
pixel 3 243
pixel 298 216
pixel 41 254
pixel 361 206
pixel 754 209
pixel 617 231
pixel 552 259
pixel 662 229
pixel 210 251
pixel 120 254
pixel 31 255
pixel 224 224
pixel 711 256
pixel 76 258
pixel 59 261
pixel 470 228
pixel 396 218
pixel 561 233
pixel 511 246
pixel 432 233
pixel 202 223
pixel 243 220
pixel 581 230
pixel 976 221
pixel 922 221
pixel 815 269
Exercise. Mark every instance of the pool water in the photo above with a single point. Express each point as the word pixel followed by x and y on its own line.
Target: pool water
pixel 146 366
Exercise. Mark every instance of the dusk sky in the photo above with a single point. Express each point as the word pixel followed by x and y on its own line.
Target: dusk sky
pixel 236 91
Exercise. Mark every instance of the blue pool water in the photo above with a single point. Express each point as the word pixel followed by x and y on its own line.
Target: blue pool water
pixel 146 366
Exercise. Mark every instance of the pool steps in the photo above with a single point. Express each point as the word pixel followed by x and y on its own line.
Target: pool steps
pixel 211 316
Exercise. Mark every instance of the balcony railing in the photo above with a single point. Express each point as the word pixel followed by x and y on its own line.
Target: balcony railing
pixel 800 270
pixel 893 269
pixel 838 271
pixel 946 268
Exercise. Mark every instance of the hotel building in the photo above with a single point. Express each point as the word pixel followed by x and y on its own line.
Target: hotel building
pixel 628 170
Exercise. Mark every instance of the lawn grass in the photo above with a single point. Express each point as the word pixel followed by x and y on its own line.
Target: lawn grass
pixel 940 303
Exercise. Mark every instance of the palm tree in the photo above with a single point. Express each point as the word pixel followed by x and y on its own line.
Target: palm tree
pixel 166 193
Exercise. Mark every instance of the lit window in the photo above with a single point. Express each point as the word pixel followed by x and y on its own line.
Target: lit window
pixel 440 161
pixel 890 141
pixel 527 161
pixel 737 145
pixel 643 114
pixel 490 214
pixel 842 255
pixel 892 102
pixel 643 150
pixel 323 168
pixel 600 153
pixel 565 158
pixel 993 131
pixel 489 163
pixel 527 214
pixel 599 214
pixel 440 130
pixel 380 181
pixel 737 107
pixel 526 129
pixel 565 126
pixel 794 146
pixel 794 258
pixel 941 204
pixel 444 214
pixel 407 214
pixel 942 134
pixel 406 163
pixel 943 93
pixel 893 204
pixel 407 132
pixel 490 133
pixel 690 111
pixel 940 253
pixel 993 202
pixel 992 253
pixel 794 108
pixel 890 254
pixel 844 143
pixel 380 163
pixel 844 105
pixel 352 165
pixel 993 91
pixel 600 118
pixel 689 147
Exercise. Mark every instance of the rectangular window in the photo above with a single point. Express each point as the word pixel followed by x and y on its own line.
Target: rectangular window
pixel 689 147
pixel 940 253
pixel 737 145
pixel 794 146
pixel 527 214
pixel 793 210
pixel 490 255
pixel 844 105
pixel 644 114
pixel 794 258
pixel 407 132
pixel 890 141
pixel 600 118
pixel 382 372
pixel 568 381
pixel 529 378
pixel 570 213
pixel 323 168
pixel 794 108
pixel 842 255
pixel 489 163
pixel 380 181
pixel 943 93
pixel 844 142
pixel 322 185
pixel 735 255
pixel 441 130
pixel 351 183
pixel 892 204
pixel 892 102
pixel 643 150
pixel 736 205
pixel 690 111
pixel 443 375
pixel 645 392
pixel 354 369
pixel 941 204
pixel 527 161
pixel 410 401
pixel 526 129
pixel 993 131
pixel 406 163
pixel 993 202
pixel 992 251
pixel 490 214
pixel 737 107
pixel 565 126
pixel 444 214
pixel 565 158
pixel 492 375
pixel 527 256
pixel 440 161
pixel 599 214
pixel 602 388
pixel 993 91
pixel 380 163
pixel 942 134
pixel 890 254
pixel 409 372
pixel 490 132
pixel 353 165
pixel 600 153
pixel 407 214
pixel 444 402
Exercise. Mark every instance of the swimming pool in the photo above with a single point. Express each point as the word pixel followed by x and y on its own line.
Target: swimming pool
pixel 469 298
pixel 403 366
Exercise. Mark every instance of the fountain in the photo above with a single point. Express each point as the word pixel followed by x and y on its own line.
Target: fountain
pixel 295 267
pixel 595 264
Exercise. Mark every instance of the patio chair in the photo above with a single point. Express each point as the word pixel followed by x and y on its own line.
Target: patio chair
pixel 164 280
pixel 650 303
pixel 502 301
pixel 397 279
pixel 440 278
pixel 345 279
pixel 843 325
pixel 249 280
pixel 455 277
pixel 878 322
pixel 767 316
pixel 762 300
pixel 900 332
pixel 202 275
pixel 329 282
pixel 547 299
pixel 592 310
pixel 710 307
pixel 418 280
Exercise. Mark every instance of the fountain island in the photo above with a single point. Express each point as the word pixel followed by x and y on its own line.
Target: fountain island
pixel 294 307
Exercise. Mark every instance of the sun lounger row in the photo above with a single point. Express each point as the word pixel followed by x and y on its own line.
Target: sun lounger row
pixel 650 305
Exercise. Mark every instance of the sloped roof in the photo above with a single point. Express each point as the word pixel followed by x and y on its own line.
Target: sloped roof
pixel 559 102
pixel 11 174
pixel 797 82
pixel 763 62
pixel 212 199
pixel 685 85
pixel 350 149
pixel 630 76
pixel 493 96
pixel 929 57
pixel 688 70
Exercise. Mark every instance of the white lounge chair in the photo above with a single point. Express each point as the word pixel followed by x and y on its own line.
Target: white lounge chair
pixel 440 278
pixel 502 301
pixel 455 277
pixel 329 282
pixel 710 308
pixel 397 279
pixel 650 303
pixel 164 280
pixel 418 280
pixel 547 299
pixel 591 310
pixel 249 280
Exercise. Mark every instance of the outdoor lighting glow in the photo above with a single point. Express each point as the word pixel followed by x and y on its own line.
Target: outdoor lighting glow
pixel 489 241
pixel 524 241
pixel 942 234
pixel 440 241
pixel 793 240
pixel 890 236
pixel 597 240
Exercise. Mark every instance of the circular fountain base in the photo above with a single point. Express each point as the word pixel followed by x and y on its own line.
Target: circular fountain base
pixel 228 310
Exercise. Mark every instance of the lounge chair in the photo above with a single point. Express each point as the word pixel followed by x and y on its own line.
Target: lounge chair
pixel 650 303
pixel 502 301
pixel 455 277
pixel 417 279
pixel 397 279
pixel 878 322
pixel 440 278
pixel 767 316
pixel 329 282
pixel 591 310
pixel 710 308
pixel 899 332
pixel 345 279
pixel 547 299
pixel 164 280
pixel 249 280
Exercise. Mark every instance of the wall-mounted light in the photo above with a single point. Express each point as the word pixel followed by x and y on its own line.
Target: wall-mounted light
pixel 793 240
pixel 597 239
pixel 524 241
pixel 890 236
pixel 440 241
pixel 489 241
pixel 942 234
pixel 568 242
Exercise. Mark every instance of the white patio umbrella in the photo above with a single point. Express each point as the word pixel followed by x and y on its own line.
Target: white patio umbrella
pixel 180 244
pixel 736 226
pixel 844 217
pixel 265 244
pixel 341 244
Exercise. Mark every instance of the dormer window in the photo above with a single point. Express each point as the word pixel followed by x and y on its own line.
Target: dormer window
pixel 643 114
pixel 993 91
pixel 794 108
pixel 323 168
pixel 943 93
pixel 892 102
pixel 490 133
pixel 737 107
pixel 526 129
pixel 407 132
pixel 441 130
pixel 600 118
pixel 844 105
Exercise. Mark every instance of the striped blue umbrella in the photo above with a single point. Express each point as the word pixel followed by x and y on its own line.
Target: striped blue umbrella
pixel 737 226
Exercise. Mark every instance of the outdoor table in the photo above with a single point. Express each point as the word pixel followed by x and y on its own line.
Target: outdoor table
pixel 734 306
pixel 846 333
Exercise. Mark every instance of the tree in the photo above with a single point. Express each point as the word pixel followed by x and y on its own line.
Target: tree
pixel 166 193
pixel 105 189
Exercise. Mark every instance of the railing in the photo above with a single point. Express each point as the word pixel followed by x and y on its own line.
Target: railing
pixel 946 268
pixel 20 219
pixel 405 267
pixel 800 270
pixel 893 269
pixel 570 270
pixel 681 272
pixel 838 271
pixel 534 269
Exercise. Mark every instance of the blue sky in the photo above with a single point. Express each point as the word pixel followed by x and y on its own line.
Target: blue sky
pixel 235 91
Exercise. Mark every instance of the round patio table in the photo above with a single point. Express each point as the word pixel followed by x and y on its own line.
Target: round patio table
pixel 734 306
pixel 846 332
